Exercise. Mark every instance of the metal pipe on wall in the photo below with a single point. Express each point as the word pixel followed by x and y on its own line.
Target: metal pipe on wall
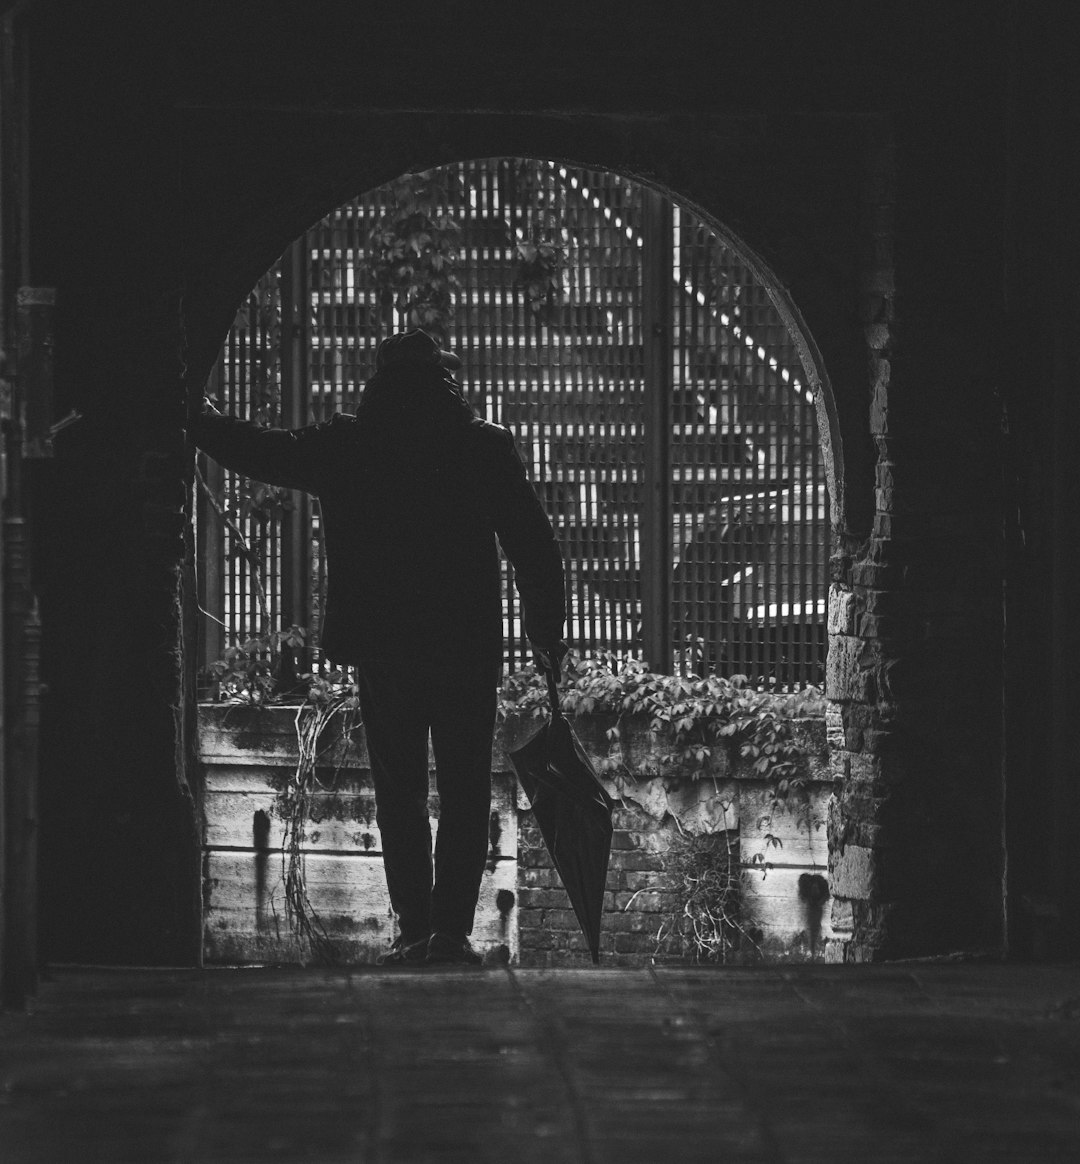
pixel 22 326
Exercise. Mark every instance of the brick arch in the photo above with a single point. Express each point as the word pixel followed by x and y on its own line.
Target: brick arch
pixel 812 254
pixel 263 252
pixel 797 355
pixel 816 296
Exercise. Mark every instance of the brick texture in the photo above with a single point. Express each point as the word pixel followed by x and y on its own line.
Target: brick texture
pixel 643 903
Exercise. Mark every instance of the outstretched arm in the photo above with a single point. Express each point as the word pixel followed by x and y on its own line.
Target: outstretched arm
pixel 286 457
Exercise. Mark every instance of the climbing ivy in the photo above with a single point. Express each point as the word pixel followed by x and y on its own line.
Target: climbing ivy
pixel 538 264
pixel 251 671
pixel 413 250
pixel 697 717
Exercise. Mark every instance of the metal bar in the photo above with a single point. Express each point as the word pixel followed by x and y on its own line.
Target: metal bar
pixel 569 498
pixel 685 590
pixel 353 314
pixel 630 285
pixel 735 453
pixel 473 347
pixel 295 407
pixel 241 403
pixel 791 567
pixel 209 556
pixel 818 556
pixel 772 629
pixel 514 392
pixel 586 476
pixel 743 661
pixel 656 510
pixel 268 370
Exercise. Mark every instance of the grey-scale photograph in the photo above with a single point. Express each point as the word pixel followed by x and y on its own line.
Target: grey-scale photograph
pixel 539 575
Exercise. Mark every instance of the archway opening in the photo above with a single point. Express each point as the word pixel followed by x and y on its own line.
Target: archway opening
pixel 659 389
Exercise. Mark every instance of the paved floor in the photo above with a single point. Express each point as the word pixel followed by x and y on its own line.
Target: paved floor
pixel 909 1061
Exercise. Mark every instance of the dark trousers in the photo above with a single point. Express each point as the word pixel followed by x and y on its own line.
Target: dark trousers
pixel 402 698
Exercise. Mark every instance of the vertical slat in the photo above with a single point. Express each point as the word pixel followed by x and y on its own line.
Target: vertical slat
pixel 339 307
pixel 806 530
pixel 763 625
pixel 353 307
pixel 234 404
pixel 698 616
pixel 724 446
pixel 818 556
pixel 746 661
pixel 210 551
pixel 699 506
pixel 762 465
pixel 634 344
pixel 577 338
pixel 505 297
pixel 656 512
pixel 682 449
pixel 584 460
pixel 598 441
pixel 295 407
pixel 270 376
pixel 476 346
pixel 554 381
pixel 329 323
pixel 770 637
pixel 243 407
pixel 791 572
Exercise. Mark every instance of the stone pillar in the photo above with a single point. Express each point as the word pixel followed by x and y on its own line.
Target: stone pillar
pixel 862 581
pixel 914 669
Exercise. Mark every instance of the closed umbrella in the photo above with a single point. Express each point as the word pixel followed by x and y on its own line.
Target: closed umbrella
pixel 573 811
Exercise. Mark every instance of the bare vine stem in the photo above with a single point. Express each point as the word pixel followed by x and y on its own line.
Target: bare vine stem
pixel 312 717
pixel 238 534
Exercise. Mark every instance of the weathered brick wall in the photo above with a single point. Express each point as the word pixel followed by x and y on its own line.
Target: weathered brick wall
pixel 249 756
pixel 915 622
pixel 643 903
pixel 863 596
pixel 666 823
pixel 662 820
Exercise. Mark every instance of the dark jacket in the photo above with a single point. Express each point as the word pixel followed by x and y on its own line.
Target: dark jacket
pixel 414 489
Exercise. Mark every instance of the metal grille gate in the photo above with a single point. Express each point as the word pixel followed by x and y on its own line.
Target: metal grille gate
pixel 655 392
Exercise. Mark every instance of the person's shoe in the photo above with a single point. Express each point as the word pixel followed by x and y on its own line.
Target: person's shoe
pixel 443 950
pixel 405 952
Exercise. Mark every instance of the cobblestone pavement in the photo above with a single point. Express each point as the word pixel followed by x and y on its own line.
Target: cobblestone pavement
pixel 902 1062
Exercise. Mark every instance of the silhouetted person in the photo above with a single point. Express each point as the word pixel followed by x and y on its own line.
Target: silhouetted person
pixel 414 491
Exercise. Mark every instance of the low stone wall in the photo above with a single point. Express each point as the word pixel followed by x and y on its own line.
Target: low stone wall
pixel 249 756
pixel 668 829
pixel 672 831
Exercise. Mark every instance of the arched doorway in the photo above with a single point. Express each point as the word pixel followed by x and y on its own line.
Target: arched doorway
pixel 658 384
